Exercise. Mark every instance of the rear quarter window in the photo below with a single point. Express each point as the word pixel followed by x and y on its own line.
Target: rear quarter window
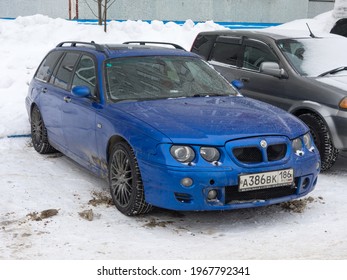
pixel 46 67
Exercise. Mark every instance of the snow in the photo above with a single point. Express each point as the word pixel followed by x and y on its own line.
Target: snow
pixel 311 228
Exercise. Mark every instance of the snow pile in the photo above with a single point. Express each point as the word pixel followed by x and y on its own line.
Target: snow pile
pixel 319 25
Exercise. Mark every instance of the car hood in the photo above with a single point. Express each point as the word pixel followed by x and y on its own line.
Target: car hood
pixel 213 120
pixel 339 82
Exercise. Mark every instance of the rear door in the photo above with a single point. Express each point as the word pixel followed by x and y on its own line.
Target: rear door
pixel 60 81
pixel 48 99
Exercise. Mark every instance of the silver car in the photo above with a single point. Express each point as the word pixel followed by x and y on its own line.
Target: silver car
pixel 305 75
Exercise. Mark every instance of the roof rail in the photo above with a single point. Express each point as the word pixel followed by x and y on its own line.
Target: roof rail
pixel 154 43
pixel 75 43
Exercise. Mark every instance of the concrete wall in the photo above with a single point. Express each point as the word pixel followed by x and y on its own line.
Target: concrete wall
pixel 202 10
pixel 316 8
pixel 274 11
pixel 52 8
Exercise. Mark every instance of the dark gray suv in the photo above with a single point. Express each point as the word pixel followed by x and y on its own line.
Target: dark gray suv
pixel 305 75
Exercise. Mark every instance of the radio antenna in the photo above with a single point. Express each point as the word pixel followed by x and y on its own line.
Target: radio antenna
pixel 309 29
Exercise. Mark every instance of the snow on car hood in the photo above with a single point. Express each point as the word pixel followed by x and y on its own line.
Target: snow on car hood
pixel 335 81
pixel 207 120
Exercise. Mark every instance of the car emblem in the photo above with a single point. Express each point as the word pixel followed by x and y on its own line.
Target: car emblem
pixel 263 144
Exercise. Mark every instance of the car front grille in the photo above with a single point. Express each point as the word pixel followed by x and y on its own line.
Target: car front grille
pixel 248 154
pixel 251 155
pixel 276 152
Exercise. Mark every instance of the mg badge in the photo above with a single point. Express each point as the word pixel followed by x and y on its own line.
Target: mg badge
pixel 263 144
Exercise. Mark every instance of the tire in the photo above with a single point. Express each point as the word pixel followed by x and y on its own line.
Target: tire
pixel 322 140
pixel 39 133
pixel 125 181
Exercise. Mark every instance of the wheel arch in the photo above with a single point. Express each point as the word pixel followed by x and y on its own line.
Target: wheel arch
pixel 111 142
pixel 302 111
pixel 309 110
pixel 32 106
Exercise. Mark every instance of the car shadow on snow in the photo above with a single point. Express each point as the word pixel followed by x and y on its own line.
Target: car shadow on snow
pixel 217 221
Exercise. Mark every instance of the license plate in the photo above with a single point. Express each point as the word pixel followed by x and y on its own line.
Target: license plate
pixel 266 180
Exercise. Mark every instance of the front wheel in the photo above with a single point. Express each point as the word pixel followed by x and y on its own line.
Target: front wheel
pixel 322 140
pixel 125 181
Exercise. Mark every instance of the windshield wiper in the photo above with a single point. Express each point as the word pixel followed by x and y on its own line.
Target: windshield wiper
pixel 333 71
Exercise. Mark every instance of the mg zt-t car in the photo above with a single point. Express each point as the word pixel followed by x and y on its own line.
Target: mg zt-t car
pixel 166 129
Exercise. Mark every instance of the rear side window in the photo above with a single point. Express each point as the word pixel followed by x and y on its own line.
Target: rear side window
pixel 226 53
pixel 47 66
pixel 64 74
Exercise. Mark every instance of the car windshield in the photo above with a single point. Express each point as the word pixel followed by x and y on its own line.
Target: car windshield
pixel 156 77
pixel 316 56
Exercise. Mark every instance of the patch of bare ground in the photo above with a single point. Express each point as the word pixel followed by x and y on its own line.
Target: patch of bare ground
pixel 299 206
pixel 100 198
pixel 45 214
pixel 152 223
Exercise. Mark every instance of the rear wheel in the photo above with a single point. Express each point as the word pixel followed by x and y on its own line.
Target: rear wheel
pixel 322 140
pixel 39 133
pixel 125 181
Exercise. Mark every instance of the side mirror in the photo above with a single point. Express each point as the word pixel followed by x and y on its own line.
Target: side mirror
pixel 273 69
pixel 81 91
pixel 237 84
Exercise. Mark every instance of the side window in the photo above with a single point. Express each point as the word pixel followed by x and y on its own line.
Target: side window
pixel 64 73
pixel 85 74
pixel 46 68
pixel 255 55
pixel 226 53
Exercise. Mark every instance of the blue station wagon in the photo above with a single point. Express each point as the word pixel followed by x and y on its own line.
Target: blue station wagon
pixel 166 129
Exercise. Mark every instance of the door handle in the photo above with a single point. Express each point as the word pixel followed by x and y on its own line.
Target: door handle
pixel 67 99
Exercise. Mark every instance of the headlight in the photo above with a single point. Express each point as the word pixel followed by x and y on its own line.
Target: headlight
pixel 308 141
pixel 182 153
pixel 297 146
pixel 209 154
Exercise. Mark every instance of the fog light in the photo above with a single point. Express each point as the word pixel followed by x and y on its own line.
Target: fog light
pixel 212 194
pixel 187 182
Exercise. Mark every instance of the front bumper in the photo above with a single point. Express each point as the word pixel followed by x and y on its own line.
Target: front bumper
pixel 163 187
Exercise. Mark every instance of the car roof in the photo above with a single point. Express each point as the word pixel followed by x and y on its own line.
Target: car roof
pixel 271 34
pixel 127 49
